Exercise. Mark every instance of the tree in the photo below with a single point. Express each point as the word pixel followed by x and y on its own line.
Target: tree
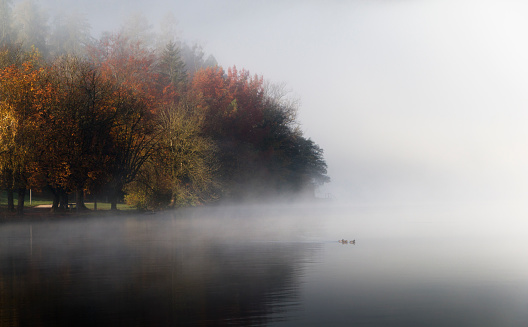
pixel 262 150
pixel 12 54
pixel 70 33
pixel 168 32
pixel 23 94
pixel 5 21
pixel 75 138
pixel 233 111
pixel 137 29
pixel 8 133
pixel 172 66
pixel 133 141
pixel 193 56
pixel 130 68
pixel 30 25
pixel 188 154
pixel 305 164
pixel 232 102
pixel 182 170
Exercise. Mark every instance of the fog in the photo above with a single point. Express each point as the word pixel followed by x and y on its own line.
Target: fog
pixel 419 106
pixel 265 265
pixel 412 101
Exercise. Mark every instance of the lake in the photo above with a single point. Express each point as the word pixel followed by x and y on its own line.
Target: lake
pixel 281 265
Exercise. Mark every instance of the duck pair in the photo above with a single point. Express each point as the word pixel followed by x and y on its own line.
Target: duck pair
pixel 343 241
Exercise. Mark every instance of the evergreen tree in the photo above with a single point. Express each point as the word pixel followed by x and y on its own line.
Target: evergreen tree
pixel 172 64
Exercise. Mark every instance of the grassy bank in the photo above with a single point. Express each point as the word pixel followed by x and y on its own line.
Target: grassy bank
pixel 38 206
pixel 41 199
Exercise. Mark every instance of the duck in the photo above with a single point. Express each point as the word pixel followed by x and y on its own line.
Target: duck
pixel 343 241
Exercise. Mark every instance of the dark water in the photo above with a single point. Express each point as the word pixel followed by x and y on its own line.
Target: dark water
pixel 262 266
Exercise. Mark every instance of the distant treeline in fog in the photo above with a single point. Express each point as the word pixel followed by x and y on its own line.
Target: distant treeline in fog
pixel 139 115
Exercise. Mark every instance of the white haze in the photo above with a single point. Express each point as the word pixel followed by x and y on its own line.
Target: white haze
pixel 411 100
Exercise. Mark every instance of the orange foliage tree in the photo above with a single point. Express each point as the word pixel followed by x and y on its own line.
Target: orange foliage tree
pixel 23 95
pixel 126 119
pixel 75 129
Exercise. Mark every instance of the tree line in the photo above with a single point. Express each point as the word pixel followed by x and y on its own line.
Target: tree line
pixel 116 116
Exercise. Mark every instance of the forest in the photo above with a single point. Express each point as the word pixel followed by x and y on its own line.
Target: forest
pixel 140 117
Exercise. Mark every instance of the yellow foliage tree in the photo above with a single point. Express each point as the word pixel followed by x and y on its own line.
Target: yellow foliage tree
pixel 23 94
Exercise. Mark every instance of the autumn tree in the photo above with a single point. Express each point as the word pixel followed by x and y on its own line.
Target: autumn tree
pixel 23 94
pixel 130 68
pixel 133 141
pixel 231 106
pixel 169 126
pixel 8 131
pixel 189 155
pixel 182 171
pixel 10 55
pixel 75 129
pixel 262 150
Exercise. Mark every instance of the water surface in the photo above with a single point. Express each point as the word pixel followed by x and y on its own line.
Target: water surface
pixel 270 266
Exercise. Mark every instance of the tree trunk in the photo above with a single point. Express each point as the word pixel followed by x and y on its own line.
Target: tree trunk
pixel 113 203
pixel 79 200
pixel 63 203
pixel 21 198
pixel 114 197
pixel 172 203
pixel 56 199
pixel 60 199
pixel 10 200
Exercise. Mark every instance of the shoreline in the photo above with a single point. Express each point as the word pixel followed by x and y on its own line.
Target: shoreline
pixel 42 213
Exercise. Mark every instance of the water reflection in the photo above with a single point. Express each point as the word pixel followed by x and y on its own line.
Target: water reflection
pixel 156 271
pixel 281 266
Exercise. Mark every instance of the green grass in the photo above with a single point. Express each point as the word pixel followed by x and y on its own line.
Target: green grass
pixel 106 206
pixel 34 202
pixel 37 200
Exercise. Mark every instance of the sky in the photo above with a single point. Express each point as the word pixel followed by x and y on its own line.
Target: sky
pixel 411 101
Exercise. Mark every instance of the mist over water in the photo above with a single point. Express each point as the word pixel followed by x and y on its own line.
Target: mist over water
pixel 265 265
pixel 420 108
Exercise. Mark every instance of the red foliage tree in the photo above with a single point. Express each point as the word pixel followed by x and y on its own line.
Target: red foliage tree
pixel 135 99
pixel 232 103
